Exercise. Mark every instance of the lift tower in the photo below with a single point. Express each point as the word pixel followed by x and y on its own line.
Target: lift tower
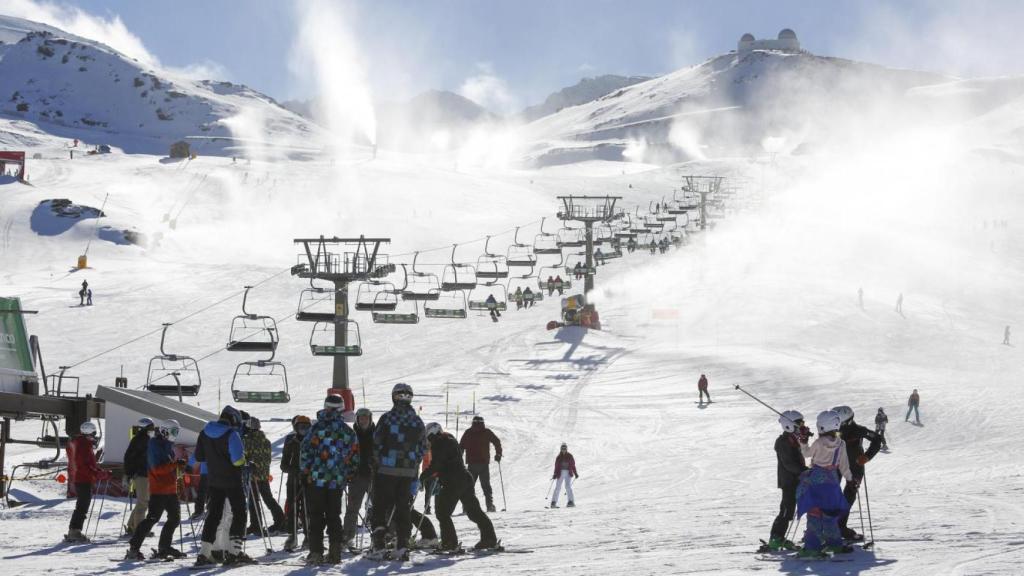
pixel 588 209
pixel 341 261
pixel 704 186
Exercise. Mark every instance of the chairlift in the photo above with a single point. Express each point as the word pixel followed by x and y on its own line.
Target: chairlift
pixel 316 304
pixel 571 238
pixel 581 259
pixel 522 283
pixel 420 286
pixel 458 276
pixel 491 266
pixel 545 242
pixel 636 224
pixel 452 305
pixel 553 271
pixel 260 381
pixel 252 332
pixel 478 297
pixel 394 316
pixel 376 296
pixel 322 339
pixel 167 371
pixel 520 255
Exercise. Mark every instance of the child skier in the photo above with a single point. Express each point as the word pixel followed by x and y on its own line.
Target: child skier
pixel 789 447
pixel 565 471
pixel 163 488
pixel 83 472
pixel 295 494
pixel 818 494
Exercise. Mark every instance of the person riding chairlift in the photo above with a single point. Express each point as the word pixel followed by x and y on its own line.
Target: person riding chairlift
pixel 492 307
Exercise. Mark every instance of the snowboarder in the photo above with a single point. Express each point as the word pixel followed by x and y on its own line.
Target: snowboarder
pixel 912 403
pixel 565 472
pixel 789 447
pixel 257 451
pixel 360 483
pixel 476 442
pixel 702 389
pixel 220 446
pixel 528 297
pixel 83 472
pixel 456 487
pixel 818 494
pixel 492 307
pixel 398 449
pixel 295 493
pixel 1006 335
pixel 853 435
pixel 163 486
pixel 899 304
pixel 82 292
pixel 518 297
pixel 136 471
pixel 329 457
pixel 881 419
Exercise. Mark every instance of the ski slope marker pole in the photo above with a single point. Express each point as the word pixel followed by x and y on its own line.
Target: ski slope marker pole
pixel 504 503
pixel 758 400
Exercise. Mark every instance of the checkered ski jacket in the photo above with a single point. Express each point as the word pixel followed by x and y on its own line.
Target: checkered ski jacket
pixel 399 442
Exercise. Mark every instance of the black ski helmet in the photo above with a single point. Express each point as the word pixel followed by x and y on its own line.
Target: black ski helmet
pixel 399 390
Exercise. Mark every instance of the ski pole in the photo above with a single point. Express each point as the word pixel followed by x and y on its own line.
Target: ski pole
pixel 92 508
pixel 103 500
pixel 860 509
pixel 551 485
pixel 504 503
pixel 867 503
pixel 758 400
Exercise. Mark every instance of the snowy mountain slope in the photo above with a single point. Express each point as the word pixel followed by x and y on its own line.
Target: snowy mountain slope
pixel 82 89
pixel 586 90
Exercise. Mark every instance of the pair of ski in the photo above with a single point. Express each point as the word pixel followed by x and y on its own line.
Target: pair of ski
pixel 156 556
pixel 766 553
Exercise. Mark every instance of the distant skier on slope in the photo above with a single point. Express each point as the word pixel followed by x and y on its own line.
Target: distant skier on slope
pixel 818 494
pixel 1006 335
pixel 702 389
pixel 881 420
pixel 476 442
pixel 789 447
pixel 82 293
pixel 853 435
pixel 899 304
pixel 912 403
pixel 565 472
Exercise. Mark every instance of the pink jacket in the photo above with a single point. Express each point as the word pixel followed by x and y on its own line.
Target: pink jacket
pixel 569 460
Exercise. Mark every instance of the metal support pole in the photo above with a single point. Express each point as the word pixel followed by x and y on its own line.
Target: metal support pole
pixel 588 277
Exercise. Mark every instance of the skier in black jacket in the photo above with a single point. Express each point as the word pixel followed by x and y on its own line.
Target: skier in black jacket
pixel 789 453
pixel 456 486
pixel 360 484
pixel 853 435
pixel 295 494
pixel 136 470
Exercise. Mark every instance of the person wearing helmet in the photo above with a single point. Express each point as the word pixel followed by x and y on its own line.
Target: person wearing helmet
pixel 818 495
pixel 257 451
pixel 295 491
pixel 136 470
pixel 328 457
pixel 456 487
pixel 398 450
pixel 789 447
pixel 220 446
pixel 360 483
pixel 476 442
pixel 565 471
pixel 702 389
pixel 164 467
pixel 83 472
pixel 853 436
pixel 881 421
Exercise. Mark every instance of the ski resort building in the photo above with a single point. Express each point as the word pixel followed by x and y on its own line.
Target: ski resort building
pixel 124 407
pixel 786 42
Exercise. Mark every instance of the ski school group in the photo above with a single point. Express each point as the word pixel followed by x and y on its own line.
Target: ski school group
pixel 327 462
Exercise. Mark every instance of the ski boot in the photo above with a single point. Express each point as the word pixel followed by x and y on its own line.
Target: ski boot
pixel 486 545
pixel 75 537
pixel 203 560
pixel 238 559
pixel 554 504
pixel 491 508
pixel 778 544
pixel 135 555
pixel 290 544
pixel 334 553
pixel 806 554
pixel 170 552
pixel 571 504
pixel 314 558
pixel 839 549
pixel 850 535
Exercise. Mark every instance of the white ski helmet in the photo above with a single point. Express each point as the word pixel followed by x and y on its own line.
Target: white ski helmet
pixel 828 421
pixel 789 420
pixel 170 429
pixel 432 430
pixel 845 413
pixel 88 428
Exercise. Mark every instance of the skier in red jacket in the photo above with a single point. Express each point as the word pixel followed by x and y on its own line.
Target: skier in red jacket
pixel 83 472
pixel 565 471
pixel 476 443
pixel 702 389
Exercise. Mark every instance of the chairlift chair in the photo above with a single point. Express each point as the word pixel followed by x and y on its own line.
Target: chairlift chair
pixel 252 332
pixel 166 372
pixel 321 339
pixel 522 282
pixel 260 381
pixel 316 304
pixel 552 271
pixel 395 316
pixel 491 266
pixel 520 255
pixel 458 276
pixel 420 286
pixel 545 242
pixel 571 238
pixel 376 296
pixel 478 298
pixel 452 305
pixel 581 259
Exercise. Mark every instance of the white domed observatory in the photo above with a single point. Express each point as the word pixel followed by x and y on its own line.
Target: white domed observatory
pixel 786 42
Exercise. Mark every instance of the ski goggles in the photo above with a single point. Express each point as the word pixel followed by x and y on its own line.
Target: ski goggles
pixel 403 396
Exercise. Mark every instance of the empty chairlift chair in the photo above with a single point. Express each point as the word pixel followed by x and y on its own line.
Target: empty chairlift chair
pixel 451 305
pixel 571 238
pixel 520 255
pixel 376 296
pixel 491 267
pixel 396 316
pixel 458 276
pixel 545 242
pixel 322 340
pixel 316 304
pixel 264 380
pixel 421 286
pixel 173 374
pixel 252 332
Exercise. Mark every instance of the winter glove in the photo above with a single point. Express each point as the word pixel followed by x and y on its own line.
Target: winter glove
pixel 497 457
pixel 414 488
pixel 804 434
pixel 577 476
pixel 862 459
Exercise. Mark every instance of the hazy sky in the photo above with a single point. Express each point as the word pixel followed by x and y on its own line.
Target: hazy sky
pixel 516 52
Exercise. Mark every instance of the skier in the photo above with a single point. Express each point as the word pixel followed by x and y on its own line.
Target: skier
pixel 860 297
pixel 88 297
pixel 136 471
pixel 220 446
pixel 899 304
pixel 818 494
pixel 598 257
pixel 83 472
pixel 528 299
pixel 559 285
pixel 551 285
pixel 853 435
pixel 163 485
pixel 257 451
pixel 398 449
pixel 912 404
pixel 295 493
pixel 430 484
pixel 518 297
pixel 565 471
pixel 1006 335
pixel 81 293
pixel 492 307
pixel 653 247
pixel 881 419
pixel 360 483
pixel 456 487
pixel 789 447
pixel 476 442
pixel 702 389
pixel 329 457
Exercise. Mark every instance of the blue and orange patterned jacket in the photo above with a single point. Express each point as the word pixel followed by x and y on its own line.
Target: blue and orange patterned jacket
pixel 329 453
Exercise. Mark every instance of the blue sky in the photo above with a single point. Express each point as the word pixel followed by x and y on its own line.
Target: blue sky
pixel 532 47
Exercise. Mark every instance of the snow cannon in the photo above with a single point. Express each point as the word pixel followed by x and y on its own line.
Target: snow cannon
pixel 577 312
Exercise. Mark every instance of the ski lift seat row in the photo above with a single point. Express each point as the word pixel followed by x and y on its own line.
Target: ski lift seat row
pixel 321 339
pixel 482 305
pixel 165 372
pixel 260 382
pixel 396 317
